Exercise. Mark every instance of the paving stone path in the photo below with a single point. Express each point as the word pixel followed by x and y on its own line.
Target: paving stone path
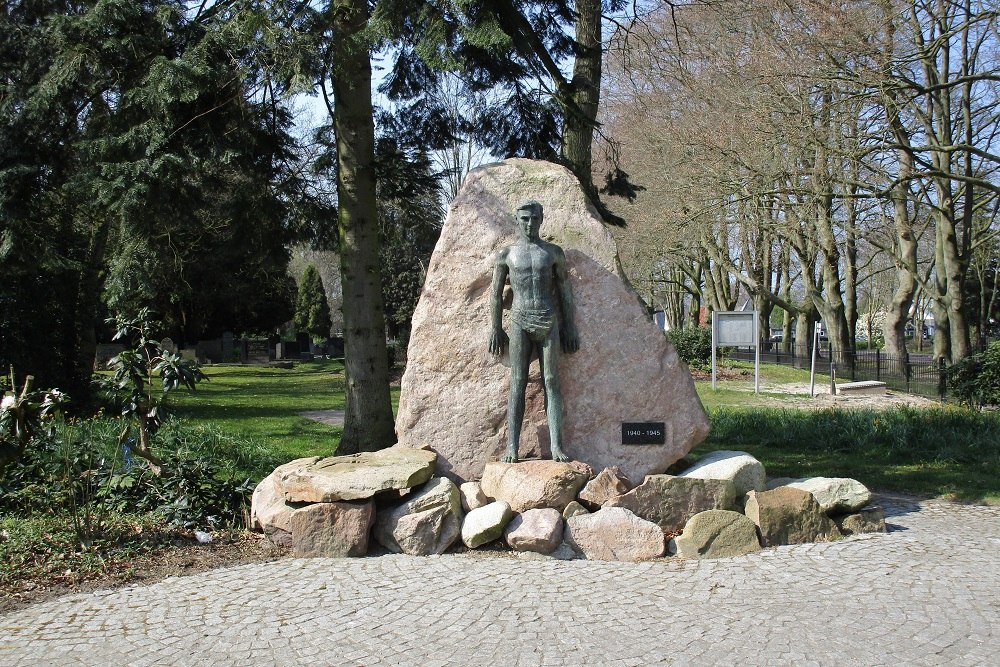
pixel 927 593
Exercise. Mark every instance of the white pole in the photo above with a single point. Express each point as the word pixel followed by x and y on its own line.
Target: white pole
pixel 756 368
pixel 714 322
pixel 812 368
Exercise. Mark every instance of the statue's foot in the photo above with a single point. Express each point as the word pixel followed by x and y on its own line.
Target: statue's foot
pixel 510 456
pixel 559 455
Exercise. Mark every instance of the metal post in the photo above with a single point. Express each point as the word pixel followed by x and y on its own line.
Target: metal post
pixel 907 369
pixel 812 367
pixel 942 378
pixel 713 351
pixel 756 369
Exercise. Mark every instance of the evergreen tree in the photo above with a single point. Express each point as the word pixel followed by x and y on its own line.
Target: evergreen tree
pixel 144 150
pixel 410 220
pixel 508 52
pixel 312 312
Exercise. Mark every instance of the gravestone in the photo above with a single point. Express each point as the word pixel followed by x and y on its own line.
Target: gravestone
pixel 454 392
pixel 168 345
pixel 105 353
pixel 256 351
pixel 228 349
pixel 209 351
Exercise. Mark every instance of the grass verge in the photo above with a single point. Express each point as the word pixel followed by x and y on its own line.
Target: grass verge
pixel 262 406
pixel 941 451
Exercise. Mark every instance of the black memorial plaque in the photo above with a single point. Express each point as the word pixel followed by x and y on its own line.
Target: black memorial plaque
pixel 644 433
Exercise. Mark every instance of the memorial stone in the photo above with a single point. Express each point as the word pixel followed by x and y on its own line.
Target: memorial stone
pixel 625 371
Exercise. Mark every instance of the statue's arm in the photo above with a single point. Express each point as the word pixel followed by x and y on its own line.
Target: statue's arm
pixel 498 339
pixel 568 336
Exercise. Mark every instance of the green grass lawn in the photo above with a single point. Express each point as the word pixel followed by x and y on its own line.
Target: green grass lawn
pixel 263 405
pixel 940 451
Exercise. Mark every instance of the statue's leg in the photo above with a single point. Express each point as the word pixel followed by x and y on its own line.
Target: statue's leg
pixel 520 355
pixel 553 411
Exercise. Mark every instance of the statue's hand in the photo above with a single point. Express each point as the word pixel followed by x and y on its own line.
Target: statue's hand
pixel 569 339
pixel 498 341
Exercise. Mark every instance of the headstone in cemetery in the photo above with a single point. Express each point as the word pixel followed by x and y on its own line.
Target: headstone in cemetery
pixel 256 351
pixel 105 353
pixel 453 391
pixel 168 345
pixel 228 347
pixel 210 351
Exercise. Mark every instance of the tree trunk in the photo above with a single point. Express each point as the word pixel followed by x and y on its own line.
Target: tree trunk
pixel 804 336
pixel 581 113
pixel 368 419
pixel 894 327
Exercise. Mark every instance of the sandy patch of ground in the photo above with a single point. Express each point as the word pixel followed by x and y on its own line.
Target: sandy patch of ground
pixel 796 395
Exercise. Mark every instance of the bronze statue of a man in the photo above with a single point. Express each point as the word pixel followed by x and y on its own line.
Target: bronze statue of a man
pixel 541 318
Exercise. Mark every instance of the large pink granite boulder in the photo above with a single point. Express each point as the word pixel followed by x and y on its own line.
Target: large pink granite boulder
pixel 454 392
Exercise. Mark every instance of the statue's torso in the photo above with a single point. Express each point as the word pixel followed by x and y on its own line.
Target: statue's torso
pixel 532 277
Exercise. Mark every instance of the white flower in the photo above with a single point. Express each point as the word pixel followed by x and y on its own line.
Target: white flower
pixel 7 403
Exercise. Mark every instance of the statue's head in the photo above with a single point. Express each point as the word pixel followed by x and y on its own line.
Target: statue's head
pixel 529 219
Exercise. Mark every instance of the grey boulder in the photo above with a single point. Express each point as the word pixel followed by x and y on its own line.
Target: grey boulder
pixel 485 524
pixel 743 470
pixel 669 501
pixel 787 515
pixel 332 530
pixel 716 534
pixel 614 533
pixel 356 476
pixel 426 523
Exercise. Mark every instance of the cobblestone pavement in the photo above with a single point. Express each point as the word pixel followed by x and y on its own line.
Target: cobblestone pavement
pixel 927 593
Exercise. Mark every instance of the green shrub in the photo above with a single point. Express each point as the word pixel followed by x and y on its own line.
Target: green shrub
pixel 693 344
pixel 975 380
pixel 87 469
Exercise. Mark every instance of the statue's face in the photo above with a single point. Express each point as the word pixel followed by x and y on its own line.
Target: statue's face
pixel 529 220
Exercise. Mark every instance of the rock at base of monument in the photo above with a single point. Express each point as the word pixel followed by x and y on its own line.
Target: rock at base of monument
pixel 574 509
pixel 787 515
pixel 716 534
pixel 609 483
pixel 357 476
pixel 669 501
pixel 836 495
pixel 278 537
pixel 332 530
pixel 535 484
pixel 743 470
pixel 562 552
pixel 870 519
pixel 269 513
pixel 472 496
pixel 485 524
pixel 539 530
pixel 614 533
pixel 428 522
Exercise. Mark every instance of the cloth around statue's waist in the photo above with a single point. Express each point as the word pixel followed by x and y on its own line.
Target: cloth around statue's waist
pixel 533 320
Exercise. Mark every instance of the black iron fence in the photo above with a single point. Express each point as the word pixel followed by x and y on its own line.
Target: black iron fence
pixel 912 373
